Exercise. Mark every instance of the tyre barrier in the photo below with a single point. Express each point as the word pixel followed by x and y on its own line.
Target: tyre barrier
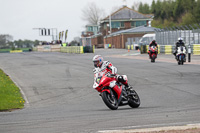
pixel 168 49
pixel 72 49
pixel 131 47
pixel 196 49
pixel 88 49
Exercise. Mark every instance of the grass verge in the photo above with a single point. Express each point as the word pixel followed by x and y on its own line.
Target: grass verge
pixel 10 96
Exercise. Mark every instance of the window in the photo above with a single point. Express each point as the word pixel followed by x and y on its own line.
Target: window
pixel 140 23
pixel 122 24
pixel 132 24
pixel 90 28
pixel 117 24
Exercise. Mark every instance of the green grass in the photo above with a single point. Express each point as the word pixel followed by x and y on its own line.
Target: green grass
pixel 10 96
pixel 3 50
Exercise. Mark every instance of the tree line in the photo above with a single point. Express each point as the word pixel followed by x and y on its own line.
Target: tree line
pixel 168 13
pixel 6 42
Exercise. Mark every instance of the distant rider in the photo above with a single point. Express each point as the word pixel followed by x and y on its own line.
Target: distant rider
pixel 106 67
pixel 178 44
pixel 153 43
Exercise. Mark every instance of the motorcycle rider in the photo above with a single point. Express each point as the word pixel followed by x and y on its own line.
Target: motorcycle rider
pixel 178 44
pixel 153 43
pixel 107 67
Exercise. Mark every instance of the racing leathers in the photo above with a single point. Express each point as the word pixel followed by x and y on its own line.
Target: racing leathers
pixel 107 68
pixel 178 44
pixel 153 43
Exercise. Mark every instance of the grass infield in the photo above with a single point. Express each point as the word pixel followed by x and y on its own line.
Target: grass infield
pixel 10 96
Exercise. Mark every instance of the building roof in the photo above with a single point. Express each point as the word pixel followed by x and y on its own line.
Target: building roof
pixel 140 29
pixel 127 13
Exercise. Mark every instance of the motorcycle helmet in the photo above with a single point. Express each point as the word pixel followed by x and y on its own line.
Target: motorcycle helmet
pixel 97 60
pixel 180 39
pixel 154 41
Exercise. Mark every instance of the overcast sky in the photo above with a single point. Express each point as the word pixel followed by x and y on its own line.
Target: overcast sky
pixel 19 17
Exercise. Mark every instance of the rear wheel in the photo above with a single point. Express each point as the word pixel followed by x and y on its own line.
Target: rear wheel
pixel 134 100
pixel 109 100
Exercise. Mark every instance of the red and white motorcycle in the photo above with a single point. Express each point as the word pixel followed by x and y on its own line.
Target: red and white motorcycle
pixel 114 93
pixel 153 53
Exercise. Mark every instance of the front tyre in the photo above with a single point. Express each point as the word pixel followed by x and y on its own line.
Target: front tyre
pixel 110 101
pixel 134 100
pixel 153 58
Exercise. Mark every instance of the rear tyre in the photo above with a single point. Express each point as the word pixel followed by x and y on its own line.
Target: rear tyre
pixel 134 100
pixel 110 101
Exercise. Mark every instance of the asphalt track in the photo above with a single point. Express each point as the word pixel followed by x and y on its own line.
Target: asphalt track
pixel 60 98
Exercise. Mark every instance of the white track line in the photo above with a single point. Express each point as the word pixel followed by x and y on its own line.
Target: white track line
pixel 22 92
pixel 153 127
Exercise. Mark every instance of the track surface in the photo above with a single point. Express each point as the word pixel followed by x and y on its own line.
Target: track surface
pixel 58 87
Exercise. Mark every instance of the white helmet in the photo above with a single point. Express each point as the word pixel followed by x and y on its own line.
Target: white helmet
pixel 180 39
pixel 98 60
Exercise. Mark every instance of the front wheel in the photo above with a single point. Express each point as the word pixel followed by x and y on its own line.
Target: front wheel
pixel 153 58
pixel 110 101
pixel 134 100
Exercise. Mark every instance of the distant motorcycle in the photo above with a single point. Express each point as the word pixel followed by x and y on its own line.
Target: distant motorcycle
pixel 113 93
pixel 153 53
pixel 181 55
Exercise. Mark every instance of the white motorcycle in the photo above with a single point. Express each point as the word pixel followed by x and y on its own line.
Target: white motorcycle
pixel 181 55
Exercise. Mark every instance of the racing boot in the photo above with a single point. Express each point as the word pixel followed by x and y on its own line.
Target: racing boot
pixel 128 87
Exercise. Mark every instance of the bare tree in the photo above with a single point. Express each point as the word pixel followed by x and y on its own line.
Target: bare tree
pixel 114 9
pixel 5 39
pixel 136 5
pixel 92 14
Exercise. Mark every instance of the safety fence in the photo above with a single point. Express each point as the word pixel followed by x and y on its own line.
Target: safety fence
pixel 170 35
pixel 169 49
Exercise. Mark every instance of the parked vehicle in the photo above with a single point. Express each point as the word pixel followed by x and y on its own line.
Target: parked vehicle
pixel 153 53
pixel 181 55
pixel 114 93
pixel 146 39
